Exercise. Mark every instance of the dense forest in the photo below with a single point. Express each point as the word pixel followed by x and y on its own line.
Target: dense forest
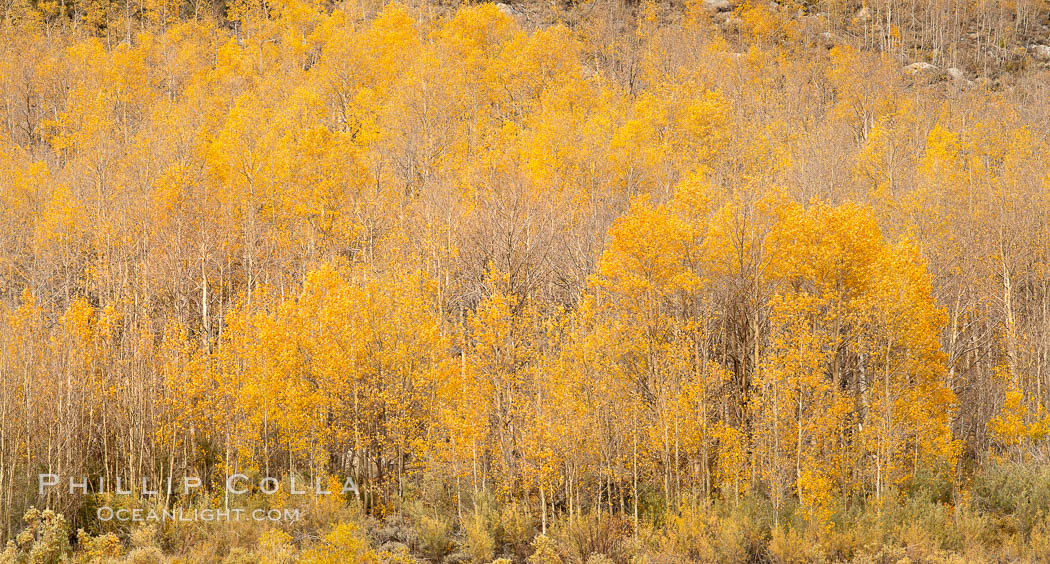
pixel 597 281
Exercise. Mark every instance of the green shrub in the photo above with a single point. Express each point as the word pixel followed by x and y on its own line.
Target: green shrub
pixel 480 542
pixel 95 550
pixel 146 555
pixel 435 536
pixel 794 546
pixel 594 533
pixel 515 529
pixel 689 533
pixel 545 551
pixel 1018 491
pixel 44 540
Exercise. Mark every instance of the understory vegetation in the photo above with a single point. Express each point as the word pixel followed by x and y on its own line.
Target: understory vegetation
pixel 1004 519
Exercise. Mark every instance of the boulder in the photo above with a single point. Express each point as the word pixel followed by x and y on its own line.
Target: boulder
pixel 508 10
pixel 732 24
pixel 958 77
pixel 918 68
pixel 718 5
pixel 1039 52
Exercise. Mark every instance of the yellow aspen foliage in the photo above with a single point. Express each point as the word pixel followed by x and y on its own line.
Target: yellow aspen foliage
pixel 860 101
pixel 899 370
pixel 563 268
pixel 342 544
pixel 1015 427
